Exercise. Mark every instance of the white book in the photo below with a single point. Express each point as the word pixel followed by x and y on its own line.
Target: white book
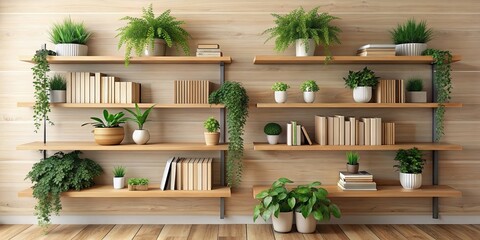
pixel 361 133
pixel 86 77
pixel 98 87
pixel 166 173
pixel 366 132
pixel 342 129
pixel 92 89
pixel 299 134
pixel 173 173
pixel 289 134
pixel 209 174
pixel 347 133
pixel 200 174
pixel 353 131
pixel 82 87
pixel 377 46
pixel 379 131
pixel 68 78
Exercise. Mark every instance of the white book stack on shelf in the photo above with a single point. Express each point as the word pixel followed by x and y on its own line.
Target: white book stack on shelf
pixel 208 50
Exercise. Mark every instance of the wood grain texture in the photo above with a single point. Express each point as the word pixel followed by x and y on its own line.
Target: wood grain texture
pixel 358 232
pixel 148 232
pixel 123 105
pixel 316 147
pixel 35 232
pixel 259 232
pixel 92 146
pixel 93 232
pixel 127 231
pixel 412 232
pixel 133 60
pixel 356 105
pixel 175 232
pixel 207 232
pixel 330 232
pixel 387 232
pixel 347 60
pixel 9 231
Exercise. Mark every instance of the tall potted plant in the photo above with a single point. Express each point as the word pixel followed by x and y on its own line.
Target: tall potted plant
pixel 280 91
pixel 352 162
pixel 415 93
pixel 118 177
pixel 70 38
pixel 411 38
pixel 410 165
pixel 108 132
pixel 309 88
pixel 58 88
pixel 362 83
pixel 140 136
pixel 273 130
pixel 212 136
pixel 305 29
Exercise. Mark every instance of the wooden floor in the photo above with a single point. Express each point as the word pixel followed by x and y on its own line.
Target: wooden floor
pixel 237 232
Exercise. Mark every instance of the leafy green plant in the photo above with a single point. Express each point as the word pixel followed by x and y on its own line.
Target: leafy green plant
pixel 111 120
pixel 352 158
pixel 312 199
pixel 272 129
pixel 211 125
pixel 235 98
pixel 409 161
pixel 299 24
pixel 139 117
pixel 57 82
pixel 274 200
pixel 56 174
pixel 69 32
pixel 138 181
pixel 362 78
pixel 415 85
pixel 141 32
pixel 411 32
pixel 41 108
pixel 280 86
pixel 309 86
pixel 119 171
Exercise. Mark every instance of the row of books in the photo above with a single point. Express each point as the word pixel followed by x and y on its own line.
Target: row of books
pixel 391 91
pixel 361 181
pixel 341 130
pixel 191 91
pixel 208 50
pixel 193 174
pixel 376 50
pixel 295 133
pixel 87 87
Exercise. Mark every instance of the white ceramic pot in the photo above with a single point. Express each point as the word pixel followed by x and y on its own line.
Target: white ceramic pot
pixel 159 48
pixel 411 180
pixel 283 223
pixel 118 182
pixel 273 139
pixel 71 49
pixel 300 48
pixel 417 97
pixel 57 96
pixel 305 225
pixel 141 136
pixel 280 96
pixel 362 94
pixel 410 49
pixel 309 97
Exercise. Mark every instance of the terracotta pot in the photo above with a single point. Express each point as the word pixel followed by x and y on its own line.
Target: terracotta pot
pixel 352 168
pixel 212 138
pixel 141 136
pixel 137 187
pixel 305 225
pixel 108 136
pixel 118 182
pixel 283 223
pixel 300 50
pixel 159 48
pixel 411 180
pixel 71 49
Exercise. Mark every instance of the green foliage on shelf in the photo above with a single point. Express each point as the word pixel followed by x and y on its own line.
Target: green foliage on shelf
pixel 362 78
pixel 352 158
pixel 309 86
pixel 69 32
pixel 312 199
pixel 57 82
pixel 409 161
pixel 138 181
pixel 280 86
pixel 139 117
pixel 415 85
pixel 119 171
pixel 272 129
pixel 41 108
pixel 211 125
pixel 274 200
pixel 56 174
pixel 111 120
pixel 235 98
pixel 411 32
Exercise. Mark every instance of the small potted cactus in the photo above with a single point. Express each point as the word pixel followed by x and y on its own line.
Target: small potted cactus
pixel 280 89
pixel 212 136
pixel 273 130
pixel 415 93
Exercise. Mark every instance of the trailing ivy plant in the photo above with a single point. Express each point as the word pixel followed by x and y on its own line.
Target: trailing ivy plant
pixel 443 84
pixel 41 84
pixel 235 98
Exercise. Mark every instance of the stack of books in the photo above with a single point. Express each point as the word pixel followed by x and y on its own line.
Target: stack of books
pixel 192 174
pixel 296 133
pixel 390 91
pixel 361 181
pixel 208 50
pixel 376 50
pixel 191 91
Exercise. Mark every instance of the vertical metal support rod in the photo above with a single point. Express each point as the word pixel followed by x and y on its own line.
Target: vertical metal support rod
pixel 222 140
pixel 435 154
pixel 44 136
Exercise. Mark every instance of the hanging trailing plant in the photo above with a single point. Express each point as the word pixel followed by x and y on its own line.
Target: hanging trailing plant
pixel 235 98
pixel 41 87
pixel 443 85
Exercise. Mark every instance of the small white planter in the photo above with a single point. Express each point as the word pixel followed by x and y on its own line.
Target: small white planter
pixel 417 97
pixel 410 49
pixel 273 139
pixel 57 96
pixel 300 48
pixel 283 223
pixel 305 225
pixel 309 97
pixel 71 49
pixel 119 182
pixel 159 48
pixel 141 136
pixel 362 94
pixel 280 96
pixel 411 180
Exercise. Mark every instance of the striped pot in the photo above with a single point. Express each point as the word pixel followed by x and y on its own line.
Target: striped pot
pixel 71 49
pixel 410 49
pixel 411 180
pixel 108 136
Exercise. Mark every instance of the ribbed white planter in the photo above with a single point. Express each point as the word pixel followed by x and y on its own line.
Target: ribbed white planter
pixel 411 180
pixel 159 48
pixel 118 182
pixel 309 97
pixel 71 49
pixel 300 48
pixel 272 139
pixel 283 223
pixel 305 225
pixel 362 94
pixel 57 96
pixel 410 49
pixel 280 96
pixel 417 97
pixel 141 136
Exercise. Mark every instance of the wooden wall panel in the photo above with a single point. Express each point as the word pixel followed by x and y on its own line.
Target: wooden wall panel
pixel 237 27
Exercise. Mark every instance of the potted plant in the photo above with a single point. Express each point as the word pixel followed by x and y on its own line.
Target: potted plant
pixel 309 88
pixel 148 34
pixel 212 136
pixel 362 83
pixel 138 184
pixel 415 93
pixel 273 130
pixel 108 132
pixel 410 165
pixel 352 162
pixel 58 87
pixel 140 135
pixel 118 177
pixel 276 202
pixel 280 89
pixel 411 38
pixel 312 205
pixel 70 38
pixel 305 29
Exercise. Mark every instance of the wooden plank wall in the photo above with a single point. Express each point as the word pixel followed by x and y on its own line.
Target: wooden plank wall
pixel 237 27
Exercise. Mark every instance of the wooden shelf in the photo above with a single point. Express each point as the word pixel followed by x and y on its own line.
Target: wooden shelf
pixel 356 105
pixel 107 191
pixel 92 146
pixel 133 60
pixel 123 105
pixel 386 192
pixel 316 147
pixel 274 59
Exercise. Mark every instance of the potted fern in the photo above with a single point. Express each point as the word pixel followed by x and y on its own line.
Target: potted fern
pixel 108 132
pixel 70 38
pixel 415 93
pixel 280 90
pixel 58 88
pixel 411 38
pixel 212 136
pixel 273 130
pixel 352 162
pixel 118 177
pixel 140 136
pixel 305 29
pixel 362 83
pixel 309 88
pixel 410 165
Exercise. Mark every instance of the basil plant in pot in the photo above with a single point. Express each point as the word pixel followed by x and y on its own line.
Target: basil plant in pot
pixel 309 88
pixel 280 91
pixel 411 38
pixel 58 87
pixel 140 136
pixel 108 132
pixel 70 38
pixel 273 131
pixel 410 165
pixel 212 136
pixel 362 83
pixel 118 177
pixel 277 203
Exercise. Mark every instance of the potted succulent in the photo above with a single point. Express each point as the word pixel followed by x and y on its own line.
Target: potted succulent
pixel 305 29
pixel 119 177
pixel 140 136
pixel 352 162
pixel 411 38
pixel 70 38
pixel 312 205
pixel 415 93
pixel 148 34
pixel 410 165
pixel 276 202
pixel 280 89
pixel 58 87
pixel 212 136
pixel 138 184
pixel 362 83
pixel 309 88
pixel 108 132
pixel 273 130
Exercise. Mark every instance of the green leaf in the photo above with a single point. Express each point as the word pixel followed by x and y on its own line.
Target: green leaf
pixel 335 210
pixel 262 194
pixel 256 212
pixel 317 215
pixel 291 202
pixel 267 201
